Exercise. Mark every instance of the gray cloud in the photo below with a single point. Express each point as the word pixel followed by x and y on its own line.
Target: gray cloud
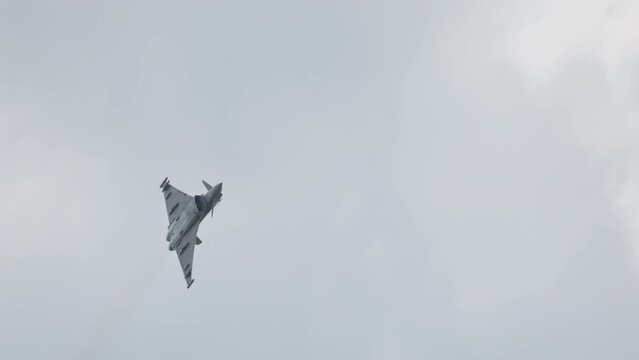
pixel 399 181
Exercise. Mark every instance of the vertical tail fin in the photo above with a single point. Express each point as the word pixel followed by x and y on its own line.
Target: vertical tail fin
pixel 206 185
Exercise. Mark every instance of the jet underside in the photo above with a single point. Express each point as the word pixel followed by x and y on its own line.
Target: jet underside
pixel 185 213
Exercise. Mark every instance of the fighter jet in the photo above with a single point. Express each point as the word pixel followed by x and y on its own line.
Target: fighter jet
pixel 185 214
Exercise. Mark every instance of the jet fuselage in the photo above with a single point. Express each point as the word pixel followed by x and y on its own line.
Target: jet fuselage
pixel 193 213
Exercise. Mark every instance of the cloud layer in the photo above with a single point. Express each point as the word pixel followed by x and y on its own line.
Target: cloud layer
pixel 449 180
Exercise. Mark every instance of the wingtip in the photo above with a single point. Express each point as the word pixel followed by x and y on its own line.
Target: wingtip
pixel 206 185
pixel 190 283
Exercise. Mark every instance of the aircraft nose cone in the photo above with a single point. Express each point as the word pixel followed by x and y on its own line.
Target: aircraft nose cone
pixel 218 191
pixel 214 194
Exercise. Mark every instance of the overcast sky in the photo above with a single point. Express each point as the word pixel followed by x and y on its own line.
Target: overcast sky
pixel 402 179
